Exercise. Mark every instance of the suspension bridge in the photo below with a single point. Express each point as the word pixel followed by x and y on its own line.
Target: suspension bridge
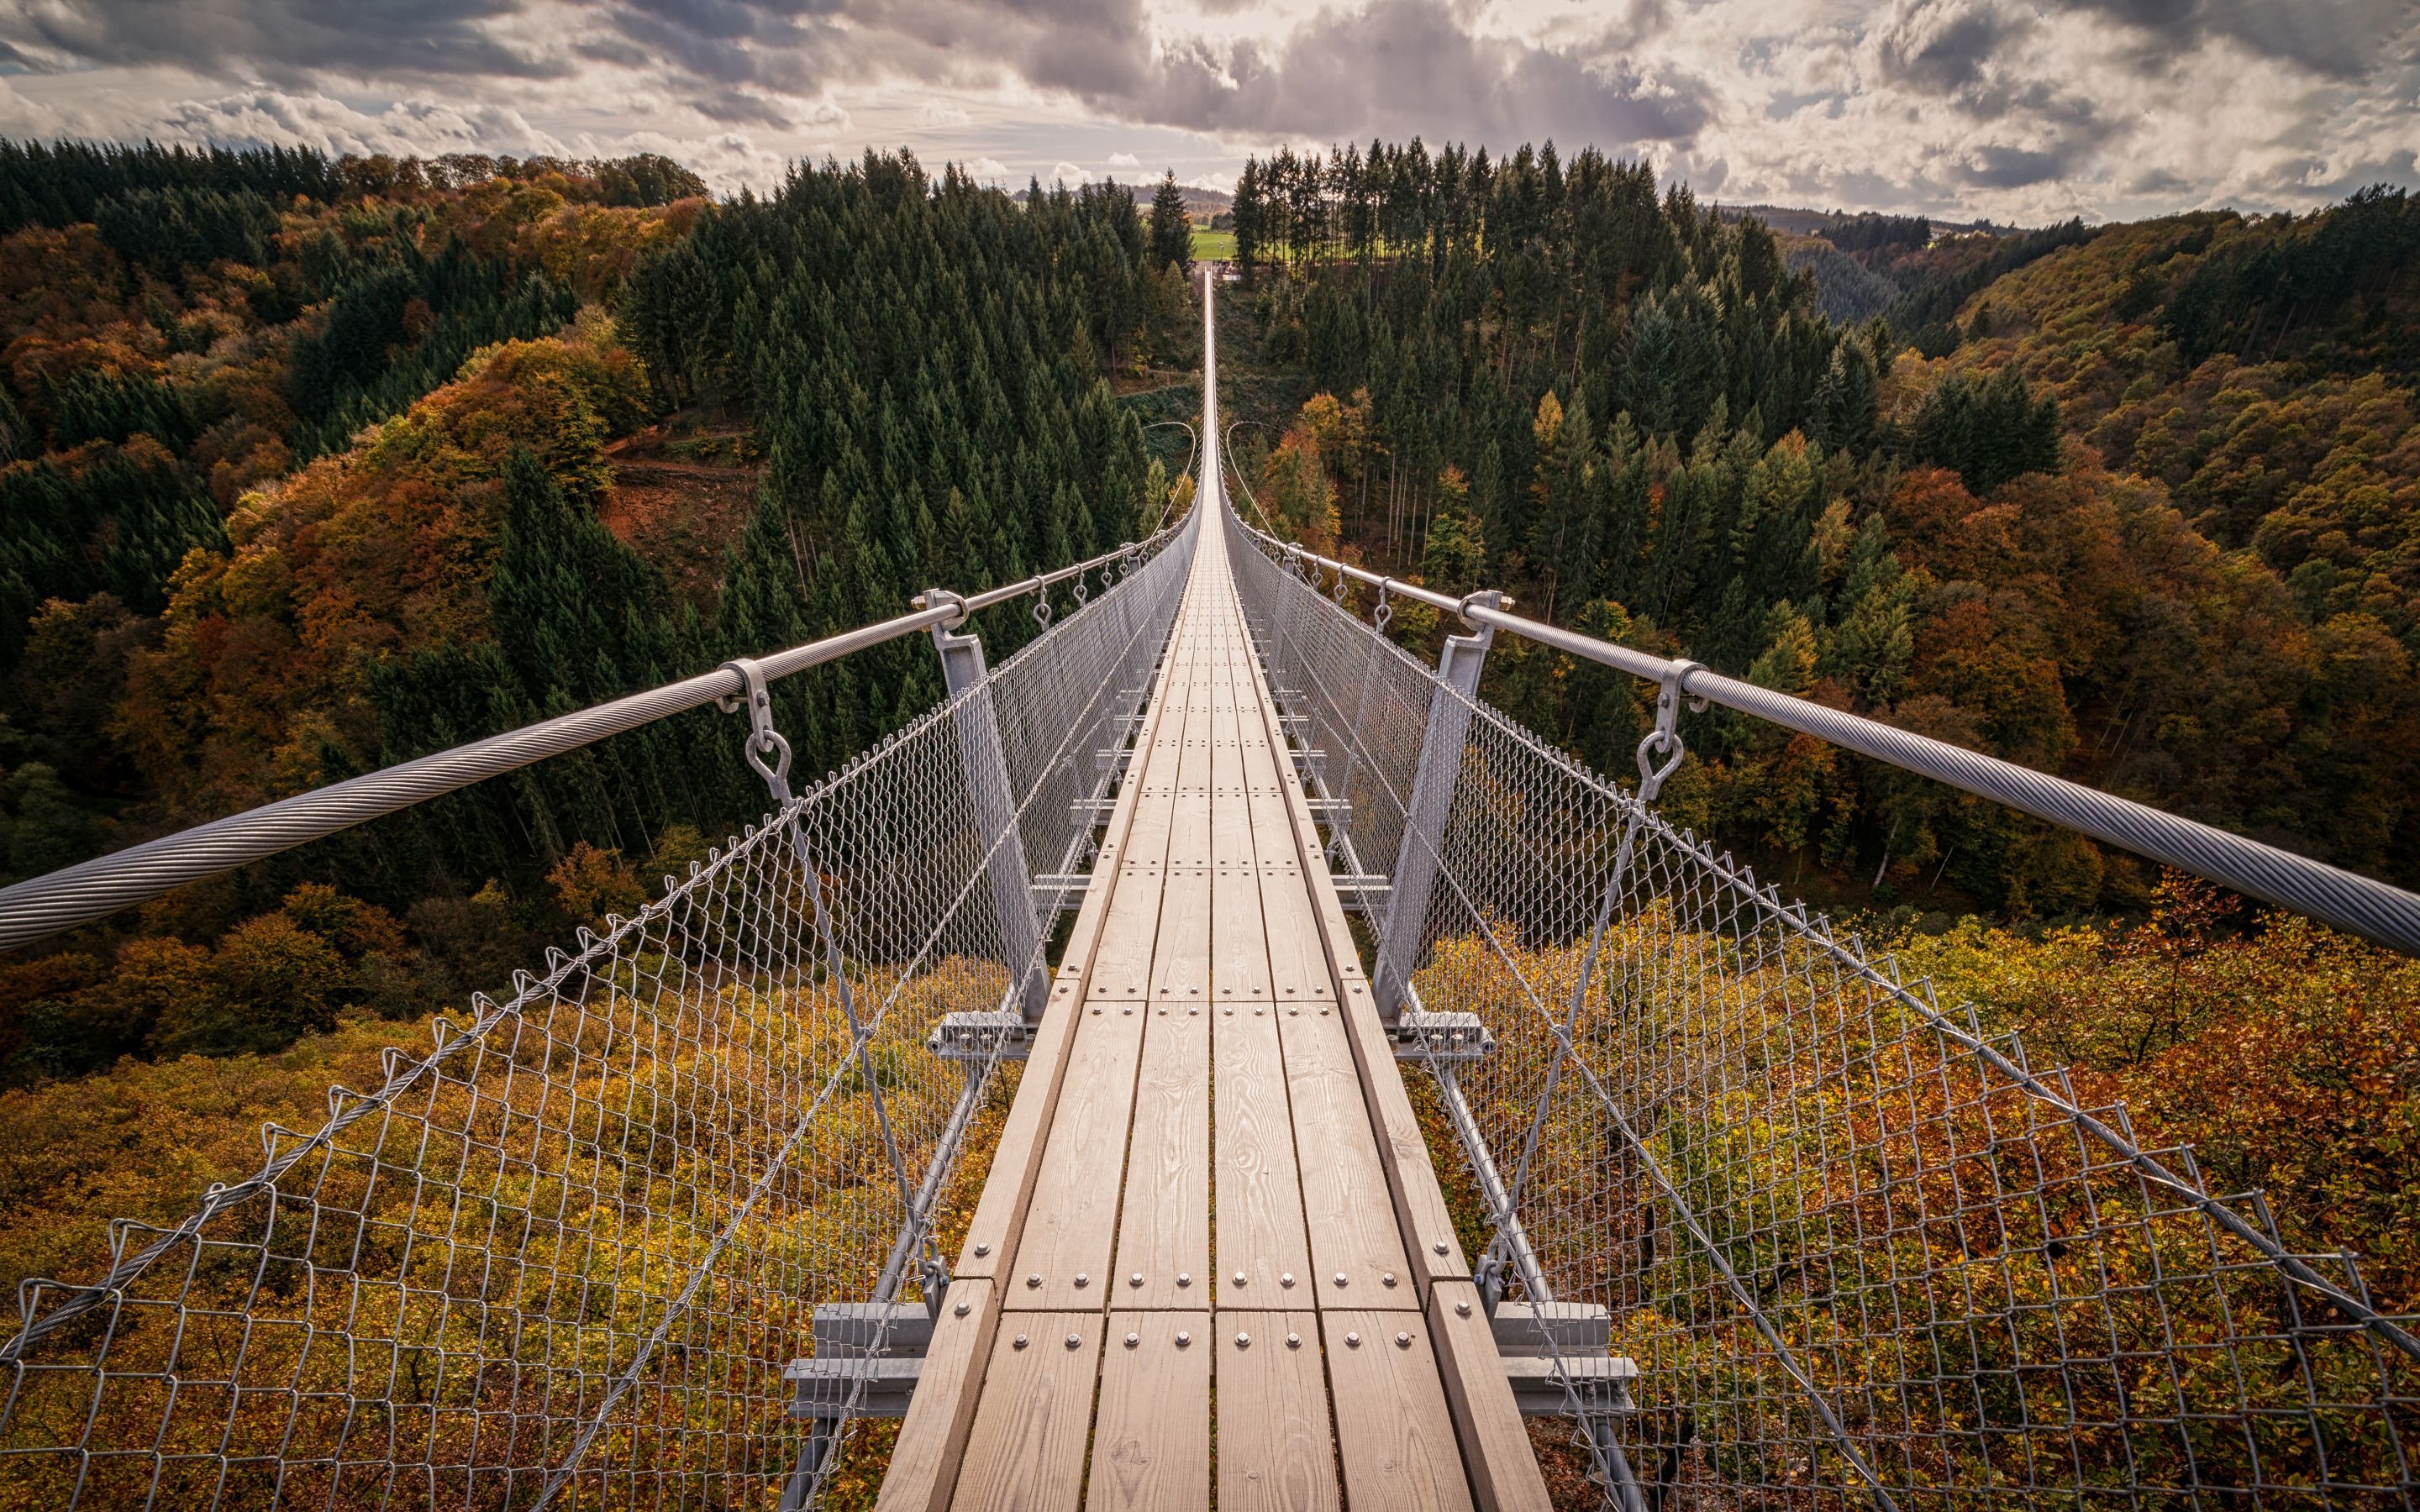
pixel 1212 1058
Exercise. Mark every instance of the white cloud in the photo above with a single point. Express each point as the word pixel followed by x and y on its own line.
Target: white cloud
pixel 1068 174
pixel 987 171
pixel 2017 111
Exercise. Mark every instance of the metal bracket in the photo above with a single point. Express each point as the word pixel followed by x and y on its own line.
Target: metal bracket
pixel 1665 739
pixel 1454 1038
pixel 765 748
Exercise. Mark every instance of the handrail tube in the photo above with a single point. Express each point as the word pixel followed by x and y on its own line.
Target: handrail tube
pixel 79 894
pixel 2377 911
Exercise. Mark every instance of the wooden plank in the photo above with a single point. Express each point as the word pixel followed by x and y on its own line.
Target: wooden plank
pixel 1260 1218
pixel 1063 1250
pixel 1435 1250
pixel 1345 1202
pixel 1018 1159
pixel 1276 1453
pixel 1393 1432
pixel 1502 1467
pixel 1164 1228
pixel 932 1442
pixel 1151 1447
pixel 1027 1451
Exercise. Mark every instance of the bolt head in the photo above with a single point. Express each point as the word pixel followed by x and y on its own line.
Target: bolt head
pixel 1184 1339
pixel 962 1309
pixel 982 1249
pixel 1183 1279
pixel 1243 1341
pixel 1402 1341
pixel 1135 1280
pixel 1074 1340
pixel 1239 1278
pixel 1351 1340
pixel 1133 1339
pixel 1294 1341
pixel 1388 1279
pixel 1462 1309
pixel 1340 1278
pixel 1286 1280
pixel 1035 1279
pixel 1020 1341
pixel 1438 1246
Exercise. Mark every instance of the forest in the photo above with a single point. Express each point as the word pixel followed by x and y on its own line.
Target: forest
pixel 2132 505
pixel 314 466
pixel 311 465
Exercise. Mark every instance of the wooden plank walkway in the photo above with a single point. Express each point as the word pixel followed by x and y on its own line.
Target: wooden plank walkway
pixel 1211 1254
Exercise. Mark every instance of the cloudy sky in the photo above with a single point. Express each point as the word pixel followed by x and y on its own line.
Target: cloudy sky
pixel 2020 112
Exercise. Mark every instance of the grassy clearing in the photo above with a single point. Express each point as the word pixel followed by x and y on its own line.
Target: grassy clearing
pixel 1214 246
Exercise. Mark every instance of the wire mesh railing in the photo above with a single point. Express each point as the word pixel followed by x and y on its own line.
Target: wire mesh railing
pixel 1851 1247
pixel 565 1257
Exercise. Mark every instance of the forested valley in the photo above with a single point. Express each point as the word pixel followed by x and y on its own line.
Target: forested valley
pixel 313 466
pixel 309 466
pixel 2135 504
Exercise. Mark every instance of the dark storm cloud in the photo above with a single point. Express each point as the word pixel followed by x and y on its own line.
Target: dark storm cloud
pixel 1402 67
pixel 1942 47
pixel 284 41
pixel 1999 167
pixel 2341 39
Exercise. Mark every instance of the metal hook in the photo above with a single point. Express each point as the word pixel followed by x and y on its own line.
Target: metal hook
pixel 765 748
pixel 1383 611
pixel 1665 739
pixel 1041 611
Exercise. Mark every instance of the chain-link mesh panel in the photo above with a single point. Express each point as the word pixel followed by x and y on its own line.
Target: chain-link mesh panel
pixel 567 1255
pixel 1856 1248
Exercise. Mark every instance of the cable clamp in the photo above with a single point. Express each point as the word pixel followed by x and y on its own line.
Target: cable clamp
pixel 1660 753
pixel 765 748
pixel 936 598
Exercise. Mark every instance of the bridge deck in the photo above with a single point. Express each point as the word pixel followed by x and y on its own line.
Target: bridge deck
pixel 1211 1219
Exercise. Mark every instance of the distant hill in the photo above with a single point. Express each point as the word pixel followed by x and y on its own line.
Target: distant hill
pixel 1805 222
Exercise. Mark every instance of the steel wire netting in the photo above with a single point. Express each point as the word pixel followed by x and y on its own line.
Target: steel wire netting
pixel 1857 1248
pixel 567 1255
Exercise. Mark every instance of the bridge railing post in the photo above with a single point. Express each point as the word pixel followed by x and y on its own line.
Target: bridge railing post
pixel 987 769
pixel 1424 814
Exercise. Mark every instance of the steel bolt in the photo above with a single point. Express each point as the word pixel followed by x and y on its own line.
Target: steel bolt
pixel 1438 1246
pixel 1239 1278
pixel 1352 1340
pixel 961 1309
pixel 1402 1341
pixel 1462 1309
pixel 1184 1339
pixel 1340 1278
pixel 1388 1279
pixel 1133 1339
pixel 1020 1341
pixel 1035 1279
pixel 1074 1340
pixel 1135 1280
pixel 1083 1280
pixel 1243 1341
pixel 1183 1279
pixel 1294 1341
pixel 982 1249
pixel 1286 1280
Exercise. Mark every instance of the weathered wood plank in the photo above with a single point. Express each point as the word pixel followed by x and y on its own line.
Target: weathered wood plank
pixel 1502 1467
pixel 1027 1451
pixel 1063 1250
pixel 933 1439
pixel 1151 1446
pixel 1393 1432
pixel 1276 1452
pixel 1164 1229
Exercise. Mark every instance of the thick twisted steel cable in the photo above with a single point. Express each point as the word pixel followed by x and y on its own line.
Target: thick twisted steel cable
pixel 93 890
pixel 2374 910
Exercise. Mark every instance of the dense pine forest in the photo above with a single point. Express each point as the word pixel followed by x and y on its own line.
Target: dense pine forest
pixel 2132 504
pixel 311 465
pixel 314 466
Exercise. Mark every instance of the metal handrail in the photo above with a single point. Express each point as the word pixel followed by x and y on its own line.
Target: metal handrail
pixel 2374 910
pixel 45 905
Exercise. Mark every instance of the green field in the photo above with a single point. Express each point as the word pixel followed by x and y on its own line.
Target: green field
pixel 1214 246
